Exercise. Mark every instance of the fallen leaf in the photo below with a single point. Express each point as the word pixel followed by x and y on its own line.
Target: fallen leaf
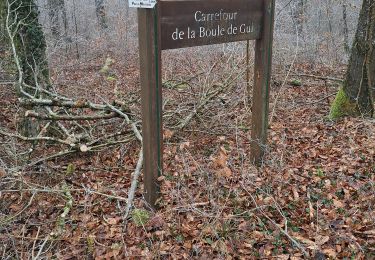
pixel 83 148
pixel 295 193
pixel 321 240
pixel 338 204
pixel 330 252
pixel 168 134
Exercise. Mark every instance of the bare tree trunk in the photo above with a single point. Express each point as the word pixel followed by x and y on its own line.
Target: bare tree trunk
pixel 76 29
pixel 299 16
pixel 2 29
pixel 53 13
pixel 57 12
pixel 29 51
pixel 345 29
pixel 3 44
pixel 357 95
pixel 101 14
pixel 2 21
pixel 30 43
pixel 371 55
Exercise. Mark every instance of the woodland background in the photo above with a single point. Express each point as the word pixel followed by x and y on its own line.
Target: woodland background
pixel 313 196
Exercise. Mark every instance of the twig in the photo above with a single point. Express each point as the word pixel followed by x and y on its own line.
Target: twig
pixel 51 94
pixel 66 152
pixel 107 137
pixel 68 206
pixel 54 156
pixel 317 101
pixel 285 79
pixel 20 212
pixel 35 240
pixel 205 100
pixel 128 121
pixel 72 190
pixel 41 248
pixel 7 82
pixel 111 143
pixel 319 77
pixel 134 185
pixel 180 82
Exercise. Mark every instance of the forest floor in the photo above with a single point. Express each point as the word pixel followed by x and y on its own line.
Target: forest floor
pixel 313 196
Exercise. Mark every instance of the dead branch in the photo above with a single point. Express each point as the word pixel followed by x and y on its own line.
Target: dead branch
pixel 207 98
pixel 138 168
pixel 7 82
pixel 88 148
pixel 48 93
pixel 40 138
pixel 319 77
pixel 55 117
pixel 317 101
pixel 134 185
pixel 59 192
pixel 111 143
pixel 107 137
pixel 59 103
pixel 128 121
pixel 51 157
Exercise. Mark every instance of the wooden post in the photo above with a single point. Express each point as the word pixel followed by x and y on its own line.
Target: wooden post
pixel 262 79
pixel 151 92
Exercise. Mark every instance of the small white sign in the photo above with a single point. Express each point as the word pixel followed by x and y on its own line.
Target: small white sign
pixel 142 3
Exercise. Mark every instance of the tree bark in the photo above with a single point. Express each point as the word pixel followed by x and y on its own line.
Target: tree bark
pixel 30 43
pixel 101 14
pixel 2 22
pixel 345 28
pixel 29 51
pixel 3 37
pixel 299 16
pixel 356 98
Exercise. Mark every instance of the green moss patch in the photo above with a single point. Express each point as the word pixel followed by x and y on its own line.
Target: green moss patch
pixel 140 217
pixel 342 106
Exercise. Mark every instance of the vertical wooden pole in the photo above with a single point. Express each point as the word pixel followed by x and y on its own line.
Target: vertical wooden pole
pixel 262 79
pixel 151 93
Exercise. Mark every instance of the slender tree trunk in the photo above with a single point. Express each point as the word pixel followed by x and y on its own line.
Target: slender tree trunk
pixel 2 27
pixel 76 29
pixel 64 18
pixel 101 14
pixel 371 55
pixel 357 95
pixel 53 13
pixel 299 16
pixel 3 44
pixel 345 29
pixel 2 20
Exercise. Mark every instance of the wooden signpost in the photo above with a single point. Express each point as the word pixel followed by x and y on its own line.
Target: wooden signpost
pixel 173 24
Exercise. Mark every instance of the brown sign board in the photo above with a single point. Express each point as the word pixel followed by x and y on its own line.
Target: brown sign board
pixel 187 23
